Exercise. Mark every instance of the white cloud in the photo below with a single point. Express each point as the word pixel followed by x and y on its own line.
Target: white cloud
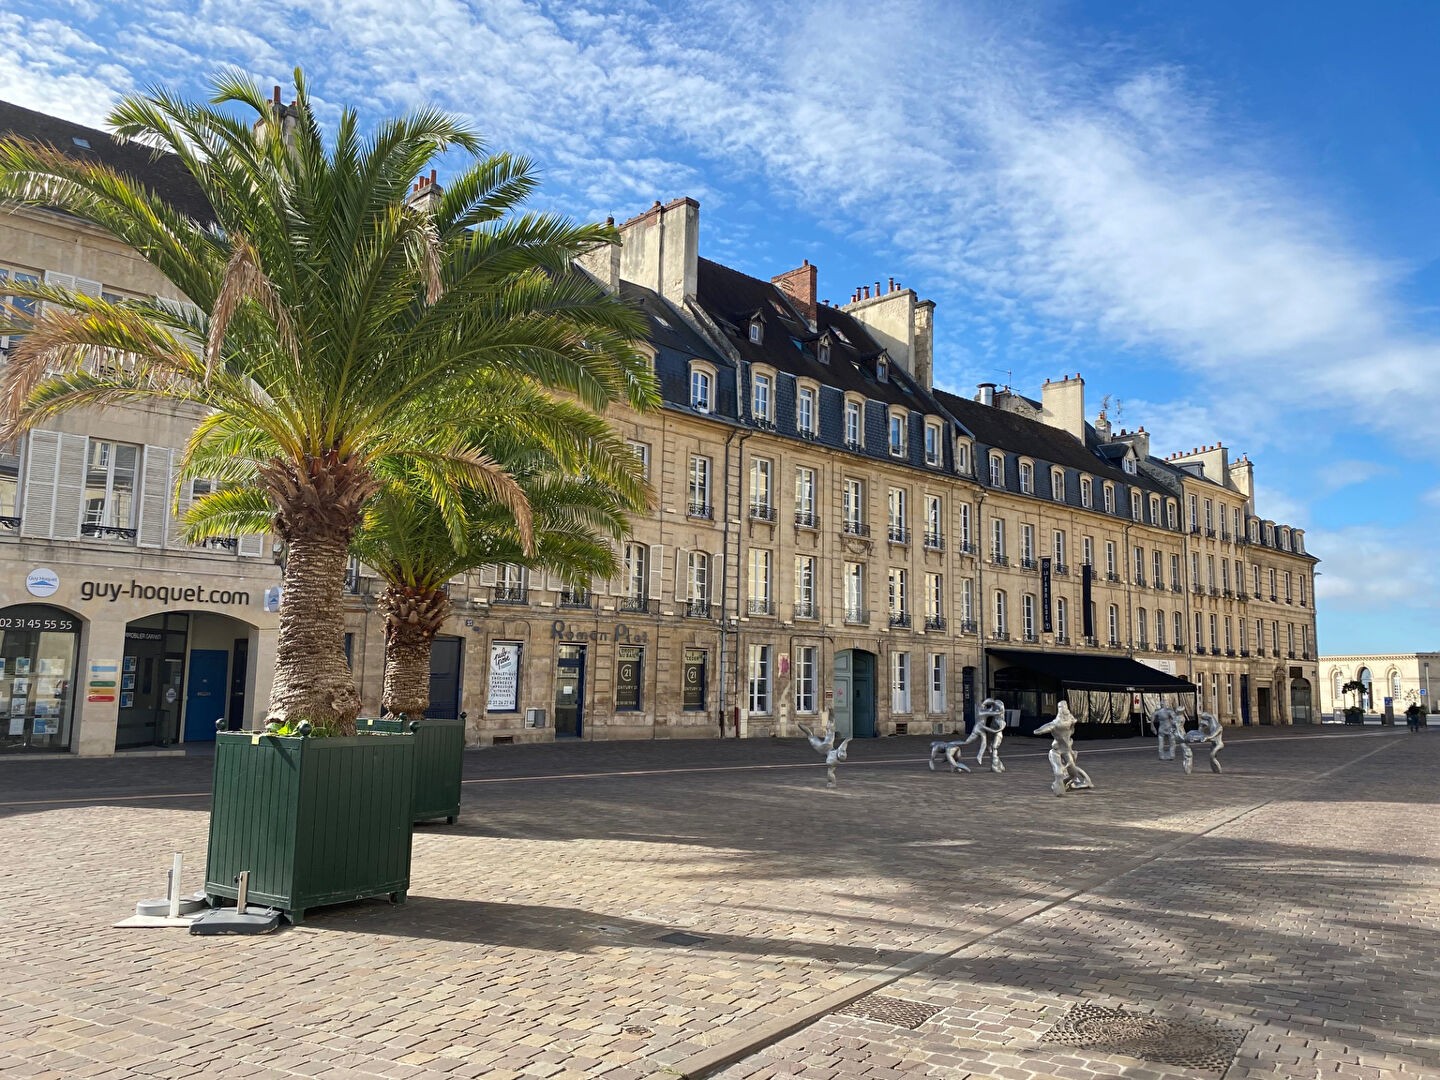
pixel 1365 570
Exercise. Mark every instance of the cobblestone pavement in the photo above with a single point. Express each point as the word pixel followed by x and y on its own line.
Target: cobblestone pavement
pixel 1293 899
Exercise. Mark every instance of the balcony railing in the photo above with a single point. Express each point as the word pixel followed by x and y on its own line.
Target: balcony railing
pixel 969 626
pixel 1061 569
pixel 1229 652
pixel 223 543
pixel 805 519
pixel 1274 599
pixel 1214 650
pixel 998 559
pixel 1000 635
pixel 1030 637
pixel 1027 562
pixel 510 594
pixel 806 611
pixel 899 534
pixel 1179 646
pixel 934 622
pixel 11 523
pixel 1225 535
pixel 641 604
pixel 574 598
pixel 1092 641
pixel 700 510
pixel 1194 529
pixel 1111 575
pixel 1214 590
pixel 857 616
pixel 1196 588
pixel 967 547
pixel 1175 586
pixel 934 542
pixel 762 512
pixel 697 609
pixel 853 444
pixel 1114 642
pixel 900 619
pixel 1140 580
pixel 1227 593
pixel 759 605
pixel 854 528
pixel 1210 532
pixel 1062 639
pixel 1244 652
pixel 108 532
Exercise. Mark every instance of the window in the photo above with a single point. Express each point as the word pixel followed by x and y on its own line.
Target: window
pixel 1001 623
pixel 10 479
pixel 1214 632
pixel 1179 630
pixel 697 583
pixel 760 597
pixel 1225 575
pixel 1142 628
pixel 934 601
pixel 962 456
pixel 967 602
pixel 1302 580
pixel 1137 557
pixel 1154 510
pixel 21 306
pixel 642 454
pixel 1087 550
pixel 1194 518
pixel 699 496
pixel 1134 506
pixel 854 506
pixel 757 331
pixel 1170 513
pixel 935 523
pixel 932 442
pixel 1210 571
pixel 823 353
pixel 761 397
pixel 1255 567
pixel 1288 597
pixel 855 611
pixel 1199 641
pixel 805 410
pixel 899 597
pixel 1273 593
pixel 1209 516
pixel 1057 546
pixel 1195 571
pixel 854 425
pixel 1062 620
pixel 899 534
pixel 1027 546
pixel 1157 568
pixel 997 539
pixel 637 572
pixel 1087 496
pixel 759 681
pixel 702 384
pixel 900 683
pixel 110 490
pixel 1128 464
pixel 1241 633
pixel 1114 619
pixel 964 526
pixel 1159 629
pixel 760 505
pixel 1174 573
pixel 510 584
pixel 1057 485
pixel 1027 616
pixel 805 496
pixel 898 421
pixel 1305 641
pixel 1027 478
pixel 882 370
pixel 805 586
pixel 1108 491
pixel 629 676
pixel 937 684
pixel 805 673
pixel 997 470
pixel 1229 637
pixel 1111 570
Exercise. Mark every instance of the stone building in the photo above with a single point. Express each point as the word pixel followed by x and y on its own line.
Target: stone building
pixel 1393 681
pixel 114 633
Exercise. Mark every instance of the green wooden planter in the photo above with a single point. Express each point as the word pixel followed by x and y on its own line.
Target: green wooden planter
pixel 316 820
pixel 439 758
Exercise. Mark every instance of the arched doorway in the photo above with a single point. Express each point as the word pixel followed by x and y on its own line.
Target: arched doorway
pixel 39 649
pixel 1300 702
pixel 1366 696
pixel 853 710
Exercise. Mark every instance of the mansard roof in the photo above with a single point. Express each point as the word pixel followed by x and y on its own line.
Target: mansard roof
pixel 164 174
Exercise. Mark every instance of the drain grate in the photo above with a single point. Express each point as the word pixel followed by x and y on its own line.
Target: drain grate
pixel 889 1010
pixel 679 937
pixel 637 1032
pixel 1196 1044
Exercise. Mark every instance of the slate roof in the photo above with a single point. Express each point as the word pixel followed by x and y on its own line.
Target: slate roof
pixel 161 173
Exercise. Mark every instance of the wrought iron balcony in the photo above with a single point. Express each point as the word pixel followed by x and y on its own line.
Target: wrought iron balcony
pixel 1000 635
pixel 11 523
pixel 575 598
pixel 1214 590
pixel 854 444
pixel 900 619
pixel 1175 586
pixel 934 622
pixel 969 626
pixel 1111 575
pixel 809 434
pixel 857 616
pixel 805 519
pixel 1061 569
pixel 1027 562
pixel 108 532
pixel 934 542
pixel 854 528
pixel 1092 641
pixel 223 543
pixel 806 611
pixel 697 609
pixel 642 604
pixel 757 605
pixel 967 547
pixel 998 559
pixel 899 534
pixel 1229 652
pixel 1140 580
pixel 762 512
pixel 1031 637
pixel 1244 652
pixel 1210 532
pixel 700 510
pixel 509 594
pixel 1179 646
pixel 1062 639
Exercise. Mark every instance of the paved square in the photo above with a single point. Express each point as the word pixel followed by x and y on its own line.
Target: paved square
pixel 1293 898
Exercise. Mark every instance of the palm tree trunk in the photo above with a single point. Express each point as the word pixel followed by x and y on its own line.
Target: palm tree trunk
pixel 318 510
pixel 413 616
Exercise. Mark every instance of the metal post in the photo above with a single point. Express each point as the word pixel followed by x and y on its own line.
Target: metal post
pixel 242 891
pixel 174 893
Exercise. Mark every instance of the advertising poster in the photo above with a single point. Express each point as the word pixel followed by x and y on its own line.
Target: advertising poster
pixel 504 693
pixel 127 699
pixel 17 725
pixel 42 726
pixel 127 682
pixel 627 677
pixel 22 665
pixel 130 663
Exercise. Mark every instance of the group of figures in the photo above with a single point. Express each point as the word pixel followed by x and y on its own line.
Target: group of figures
pixel 1167 723
pixel 1169 727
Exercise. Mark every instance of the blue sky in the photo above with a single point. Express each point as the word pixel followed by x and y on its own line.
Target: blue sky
pixel 1225 215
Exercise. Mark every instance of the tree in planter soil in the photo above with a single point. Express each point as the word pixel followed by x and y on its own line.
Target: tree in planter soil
pixel 329 296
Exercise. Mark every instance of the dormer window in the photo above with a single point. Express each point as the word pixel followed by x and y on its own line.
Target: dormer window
pixel 1128 464
pixel 1109 495
pixel 805 410
pixel 1027 478
pixel 757 331
pixel 822 351
pixel 899 421
pixel 702 387
pixel 997 470
pixel 854 424
pixel 882 369
pixel 933 435
pixel 1087 496
pixel 962 456
pixel 761 396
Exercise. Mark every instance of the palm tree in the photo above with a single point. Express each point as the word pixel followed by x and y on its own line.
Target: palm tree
pixel 328 302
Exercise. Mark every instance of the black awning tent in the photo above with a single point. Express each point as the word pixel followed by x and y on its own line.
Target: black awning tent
pixel 1085 671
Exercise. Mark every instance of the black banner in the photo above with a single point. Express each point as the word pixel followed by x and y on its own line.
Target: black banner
pixel 694 691
pixel 967 687
pixel 1087 606
pixel 1045 623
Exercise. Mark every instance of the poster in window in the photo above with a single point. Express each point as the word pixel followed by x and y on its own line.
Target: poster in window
pixel 627 677
pixel 504 695
pixel 694 691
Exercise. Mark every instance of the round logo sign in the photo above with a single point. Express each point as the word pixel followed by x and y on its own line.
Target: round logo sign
pixel 42 581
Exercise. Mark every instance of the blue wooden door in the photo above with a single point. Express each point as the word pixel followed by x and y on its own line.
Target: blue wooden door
pixel 206 693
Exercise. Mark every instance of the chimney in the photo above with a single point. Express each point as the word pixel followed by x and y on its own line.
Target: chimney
pixel 902 325
pixel 799 286
pixel 1102 427
pixel 1062 405
pixel 425 195
pixel 660 249
pixel 986 394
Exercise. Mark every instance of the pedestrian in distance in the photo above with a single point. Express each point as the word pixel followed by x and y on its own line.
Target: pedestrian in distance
pixel 1415 715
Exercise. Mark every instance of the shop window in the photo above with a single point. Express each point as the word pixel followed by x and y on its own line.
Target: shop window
pixel 39 646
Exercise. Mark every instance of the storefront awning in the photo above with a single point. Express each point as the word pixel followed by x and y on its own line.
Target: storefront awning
pixel 1085 671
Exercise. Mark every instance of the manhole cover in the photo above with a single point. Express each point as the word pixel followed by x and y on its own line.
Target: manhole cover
pixel 888 1010
pixel 679 937
pixel 639 1032
pixel 1197 1044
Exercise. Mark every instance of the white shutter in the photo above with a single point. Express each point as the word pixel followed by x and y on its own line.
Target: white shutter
pixel 69 487
pixel 657 571
pixel 487 574
pixel 252 545
pixel 86 287
pixel 186 496
pixel 682 573
pixel 42 462
pixel 57 280
pixel 154 497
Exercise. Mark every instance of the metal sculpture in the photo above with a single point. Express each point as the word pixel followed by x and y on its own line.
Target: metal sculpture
pixel 1068 774
pixel 825 744
pixel 1169 728
pixel 989 729
pixel 1212 734
pixel 950 751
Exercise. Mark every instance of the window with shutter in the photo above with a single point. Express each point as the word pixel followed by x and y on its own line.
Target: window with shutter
pixel 37 514
pixel 155 487
pixel 69 487
pixel 657 571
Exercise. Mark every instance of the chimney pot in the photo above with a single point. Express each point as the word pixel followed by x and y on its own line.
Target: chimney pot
pixel 276 95
pixel 432 176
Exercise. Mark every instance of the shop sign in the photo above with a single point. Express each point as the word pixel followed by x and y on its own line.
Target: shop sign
pixel 112 591
pixel 103 681
pixel 627 677
pixel 37 617
pixel 568 632
pixel 694 691
pixel 504 695
pixel 42 581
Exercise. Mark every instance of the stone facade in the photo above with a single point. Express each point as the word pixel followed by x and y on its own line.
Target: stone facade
pixel 1403 678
